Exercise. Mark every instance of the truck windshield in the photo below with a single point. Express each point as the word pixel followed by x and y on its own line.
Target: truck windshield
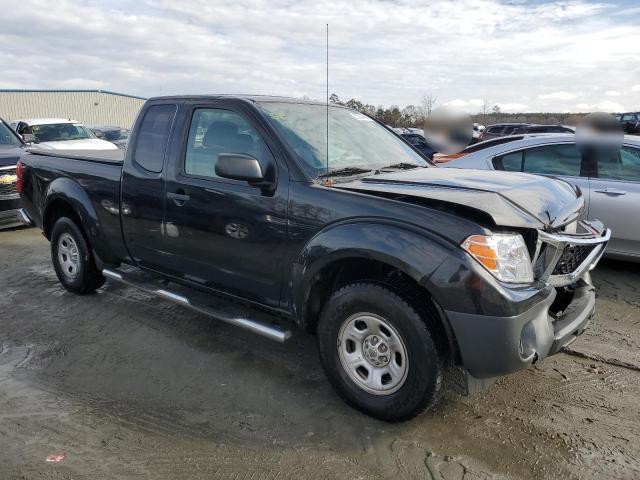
pixel 356 142
pixel 59 132
pixel 7 137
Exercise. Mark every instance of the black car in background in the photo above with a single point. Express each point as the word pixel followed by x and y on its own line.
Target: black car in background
pixel 630 122
pixel 500 130
pixel 419 143
pixel 11 147
pixel 506 129
pixel 117 135
pixel 542 129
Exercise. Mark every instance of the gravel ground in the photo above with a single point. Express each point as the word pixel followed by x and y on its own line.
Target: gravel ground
pixel 128 386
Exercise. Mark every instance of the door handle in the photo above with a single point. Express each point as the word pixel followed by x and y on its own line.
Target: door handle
pixel 178 198
pixel 612 191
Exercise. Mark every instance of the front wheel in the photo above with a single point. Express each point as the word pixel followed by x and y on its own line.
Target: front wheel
pixel 72 258
pixel 378 353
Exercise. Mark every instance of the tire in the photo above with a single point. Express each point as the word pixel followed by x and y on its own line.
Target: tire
pixel 413 383
pixel 72 258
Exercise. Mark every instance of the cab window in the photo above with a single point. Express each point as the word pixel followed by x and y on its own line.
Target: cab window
pixel 214 131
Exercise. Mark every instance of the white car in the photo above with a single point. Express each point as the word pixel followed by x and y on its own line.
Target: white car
pixel 59 134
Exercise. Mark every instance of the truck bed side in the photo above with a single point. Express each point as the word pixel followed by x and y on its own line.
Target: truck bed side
pixel 84 184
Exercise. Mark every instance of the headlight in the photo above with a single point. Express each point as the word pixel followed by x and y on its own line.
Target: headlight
pixel 504 255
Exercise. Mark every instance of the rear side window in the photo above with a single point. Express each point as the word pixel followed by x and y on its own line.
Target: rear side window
pixel 553 160
pixel 153 137
pixel 511 162
pixel 491 143
pixel 624 166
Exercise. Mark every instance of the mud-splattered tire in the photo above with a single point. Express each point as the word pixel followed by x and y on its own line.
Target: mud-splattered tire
pixel 378 352
pixel 72 258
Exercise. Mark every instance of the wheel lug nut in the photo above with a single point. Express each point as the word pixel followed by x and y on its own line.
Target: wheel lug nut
pixel 382 348
pixel 383 359
pixel 374 340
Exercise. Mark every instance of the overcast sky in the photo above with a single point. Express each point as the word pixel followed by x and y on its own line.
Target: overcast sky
pixel 523 56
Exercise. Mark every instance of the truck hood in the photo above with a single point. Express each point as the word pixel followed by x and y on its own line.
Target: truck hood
pixel 81 144
pixel 509 198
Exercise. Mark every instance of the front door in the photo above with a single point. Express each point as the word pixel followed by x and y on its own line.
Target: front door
pixel 220 233
pixel 615 199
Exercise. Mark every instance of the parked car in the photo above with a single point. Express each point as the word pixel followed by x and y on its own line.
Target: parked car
pixel 499 130
pixel 419 143
pixel 611 185
pixel 630 122
pixel 11 146
pixel 529 129
pixel 59 134
pixel 117 135
pixel 404 271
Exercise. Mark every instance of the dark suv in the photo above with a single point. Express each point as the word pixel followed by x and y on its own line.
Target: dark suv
pixel 542 129
pixel 630 122
pixel 500 130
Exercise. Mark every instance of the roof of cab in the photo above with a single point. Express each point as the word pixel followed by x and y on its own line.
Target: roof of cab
pixel 249 98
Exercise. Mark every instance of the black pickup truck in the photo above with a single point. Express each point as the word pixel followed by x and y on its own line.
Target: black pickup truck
pixel 412 277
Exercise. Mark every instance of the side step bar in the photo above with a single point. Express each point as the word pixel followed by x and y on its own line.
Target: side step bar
pixel 263 328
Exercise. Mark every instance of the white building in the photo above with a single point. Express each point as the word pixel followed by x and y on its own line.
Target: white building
pixel 91 107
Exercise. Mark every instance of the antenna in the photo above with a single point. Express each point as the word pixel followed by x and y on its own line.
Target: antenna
pixel 327 98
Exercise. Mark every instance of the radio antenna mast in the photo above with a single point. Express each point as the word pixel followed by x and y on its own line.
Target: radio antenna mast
pixel 327 98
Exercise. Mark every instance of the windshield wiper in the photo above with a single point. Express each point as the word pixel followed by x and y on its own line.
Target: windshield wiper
pixel 343 172
pixel 402 166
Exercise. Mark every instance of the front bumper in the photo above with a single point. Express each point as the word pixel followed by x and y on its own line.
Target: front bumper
pixel 491 346
pixel 8 212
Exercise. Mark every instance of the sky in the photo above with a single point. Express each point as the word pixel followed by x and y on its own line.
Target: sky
pixel 550 56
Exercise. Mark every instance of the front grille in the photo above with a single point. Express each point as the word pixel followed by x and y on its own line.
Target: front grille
pixel 572 257
pixel 8 187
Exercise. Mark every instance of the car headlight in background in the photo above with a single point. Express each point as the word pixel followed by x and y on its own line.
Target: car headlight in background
pixel 504 255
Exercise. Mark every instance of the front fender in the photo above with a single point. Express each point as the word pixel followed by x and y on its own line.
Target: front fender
pixel 67 190
pixel 415 252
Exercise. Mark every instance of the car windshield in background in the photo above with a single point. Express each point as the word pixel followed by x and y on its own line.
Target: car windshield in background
pixel 113 135
pixel 59 132
pixel 7 137
pixel 355 140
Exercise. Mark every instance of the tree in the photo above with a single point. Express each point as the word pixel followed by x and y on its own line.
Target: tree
pixel 333 98
pixel 429 101
pixel 485 108
pixel 496 110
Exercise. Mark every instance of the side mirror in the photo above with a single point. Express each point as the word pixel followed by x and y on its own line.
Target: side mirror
pixel 28 138
pixel 238 166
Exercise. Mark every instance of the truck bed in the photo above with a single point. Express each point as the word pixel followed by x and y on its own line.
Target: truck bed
pixel 91 180
pixel 99 156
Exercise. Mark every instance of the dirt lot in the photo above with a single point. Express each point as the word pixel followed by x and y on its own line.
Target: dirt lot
pixel 132 387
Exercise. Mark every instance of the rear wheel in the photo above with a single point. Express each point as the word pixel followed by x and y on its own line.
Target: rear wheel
pixel 72 258
pixel 378 352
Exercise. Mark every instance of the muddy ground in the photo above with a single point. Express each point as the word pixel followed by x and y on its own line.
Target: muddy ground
pixel 128 386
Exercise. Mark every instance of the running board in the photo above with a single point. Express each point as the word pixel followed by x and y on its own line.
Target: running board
pixel 260 327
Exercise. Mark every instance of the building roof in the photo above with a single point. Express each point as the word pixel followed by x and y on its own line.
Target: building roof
pixel 44 121
pixel 107 92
